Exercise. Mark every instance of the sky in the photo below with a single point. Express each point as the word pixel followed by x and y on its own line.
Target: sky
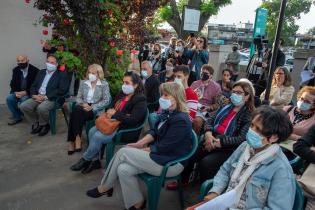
pixel 244 11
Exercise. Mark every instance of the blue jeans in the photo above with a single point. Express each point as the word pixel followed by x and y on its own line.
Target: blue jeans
pixel 12 103
pixel 96 140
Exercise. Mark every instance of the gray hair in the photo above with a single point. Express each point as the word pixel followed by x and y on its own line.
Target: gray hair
pixel 148 63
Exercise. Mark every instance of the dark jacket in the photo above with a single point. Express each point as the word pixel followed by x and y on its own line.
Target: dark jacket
pixel 280 61
pixel 173 140
pixel 302 147
pixel 242 125
pixel 131 116
pixel 57 86
pixel 151 88
pixel 16 80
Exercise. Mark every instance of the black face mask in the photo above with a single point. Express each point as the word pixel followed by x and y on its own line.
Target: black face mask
pixel 204 77
pixel 156 52
pixel 234 49
pixel 22 65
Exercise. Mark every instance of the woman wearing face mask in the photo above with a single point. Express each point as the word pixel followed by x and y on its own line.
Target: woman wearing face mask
pixel 170 139
pixel 168 74
pixel 281 89
pixel 93 96
pixel 157 60
pixel 131 113
pixel 180 53
pixel 224 131
pixel 302 116
pixel 258 175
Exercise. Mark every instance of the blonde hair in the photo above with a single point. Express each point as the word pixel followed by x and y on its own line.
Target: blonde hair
pixel 98 68
pixel 309 89
pixel 287 77
pixel 178 92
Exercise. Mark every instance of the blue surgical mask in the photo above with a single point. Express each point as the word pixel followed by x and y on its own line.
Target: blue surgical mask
pixel 254 139
pixel 165 103
pixel 303 106
pixel 51 67
pixel 127 89
pixel 236 99
pixel 178 81
pixel 144 73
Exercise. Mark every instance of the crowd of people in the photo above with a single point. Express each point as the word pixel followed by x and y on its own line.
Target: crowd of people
pixel 239 142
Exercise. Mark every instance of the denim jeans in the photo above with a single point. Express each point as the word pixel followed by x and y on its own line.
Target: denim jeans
pixel 12 103
pixel 96 140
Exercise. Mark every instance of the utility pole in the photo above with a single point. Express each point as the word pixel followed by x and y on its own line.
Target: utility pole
pixel 275 48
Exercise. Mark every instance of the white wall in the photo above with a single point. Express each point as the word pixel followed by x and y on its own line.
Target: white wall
pixel 18 35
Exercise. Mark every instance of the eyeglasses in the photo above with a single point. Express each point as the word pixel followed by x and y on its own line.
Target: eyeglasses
pixel 238 92
pixel 306 101
pixel 279 73
pixel 201 41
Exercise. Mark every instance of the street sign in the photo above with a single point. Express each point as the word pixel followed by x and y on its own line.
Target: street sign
pixel 259 26
pixel 191 19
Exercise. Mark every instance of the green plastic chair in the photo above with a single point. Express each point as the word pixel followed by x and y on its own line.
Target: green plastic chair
pixel 298 200
pixel 155 183
pixel 110 147
pixel 53 115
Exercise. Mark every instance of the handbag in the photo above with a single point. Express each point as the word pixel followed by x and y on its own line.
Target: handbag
pixel 105 124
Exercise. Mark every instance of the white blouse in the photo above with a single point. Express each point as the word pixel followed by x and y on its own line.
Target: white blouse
pixel 91 90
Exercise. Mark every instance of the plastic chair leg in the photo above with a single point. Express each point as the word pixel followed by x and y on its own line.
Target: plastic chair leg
pixel 180 192
pixel 110 149
pixel 154 189
pixel 52 121
pixel 65 116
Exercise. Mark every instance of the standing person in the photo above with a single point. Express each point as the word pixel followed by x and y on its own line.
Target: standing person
pixel 232 61
pixel 151 85
pixel 168 74
pixel 143 52
pixel 180 54
pixel 93 97
pixel 130 110
pixel 157 60
pixel 199 56
pixel 170 50
pixel 181 73
pixel 170 139
pixel 23 76
pixel 282 91
pixel 258 175
pixel 208 92
pixel 49 87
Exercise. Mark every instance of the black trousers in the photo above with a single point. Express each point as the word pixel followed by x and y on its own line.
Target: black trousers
pixel 77 120
pixel 209 163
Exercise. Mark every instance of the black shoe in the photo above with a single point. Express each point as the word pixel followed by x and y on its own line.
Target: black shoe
pixel 44 130
pixel 36 128
pixel 14 121
pixel 142 207
pixel 78 150
pixel 93 166
pixel 71 152
pixel 94 193
pixel 82 164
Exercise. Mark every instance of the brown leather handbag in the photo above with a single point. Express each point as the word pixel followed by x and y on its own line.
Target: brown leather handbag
pixel 105 124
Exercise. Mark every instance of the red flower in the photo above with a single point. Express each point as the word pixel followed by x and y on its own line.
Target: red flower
pixel 45 17
pixel 133 52
pixel 110 12
pixel 62 67
pixel 45 32
pixel 119 52
pixel 27 1
pixel 66 21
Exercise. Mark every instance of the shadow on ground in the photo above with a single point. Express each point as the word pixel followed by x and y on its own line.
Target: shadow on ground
pixel 35 175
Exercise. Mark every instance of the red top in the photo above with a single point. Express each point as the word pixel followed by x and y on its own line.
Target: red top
pixel 222 127
pixel 123 103
pixel 192 102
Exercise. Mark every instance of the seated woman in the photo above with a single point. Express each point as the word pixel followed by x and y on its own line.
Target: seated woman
pixel 258 175
pixel 93 96
pixel 167 75
pixel 226 83
pixel 305 146
pixel 281 89
pixel 302 116
pixel 131 113
pixel 170 139
pixel 224 131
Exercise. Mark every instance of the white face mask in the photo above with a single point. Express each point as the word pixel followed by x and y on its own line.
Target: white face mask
pixel 178 81
pixel 51 67
pixel 92 77
pixel 127 89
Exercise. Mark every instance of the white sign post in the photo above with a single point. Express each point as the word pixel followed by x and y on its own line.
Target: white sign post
pixel 191 19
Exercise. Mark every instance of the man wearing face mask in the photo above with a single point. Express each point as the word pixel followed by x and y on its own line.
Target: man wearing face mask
pixel 208 92
pixel 157 60
pixel 49 87
pixel 151 85
pixel 180 53
pixel 232 61
pixel 23 77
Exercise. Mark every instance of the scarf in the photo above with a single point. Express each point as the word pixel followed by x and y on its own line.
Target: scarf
pixel 252 164
pixel 221 115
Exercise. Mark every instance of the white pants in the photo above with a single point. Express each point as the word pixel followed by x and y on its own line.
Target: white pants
pixel 125 165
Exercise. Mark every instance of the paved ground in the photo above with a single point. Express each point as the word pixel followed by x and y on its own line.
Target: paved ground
pixel 35 175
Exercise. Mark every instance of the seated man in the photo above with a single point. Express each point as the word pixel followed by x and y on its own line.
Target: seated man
pixel 151 85
pixel 49 87
pixel 23 77
pixel 258 175
pixel 208 92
